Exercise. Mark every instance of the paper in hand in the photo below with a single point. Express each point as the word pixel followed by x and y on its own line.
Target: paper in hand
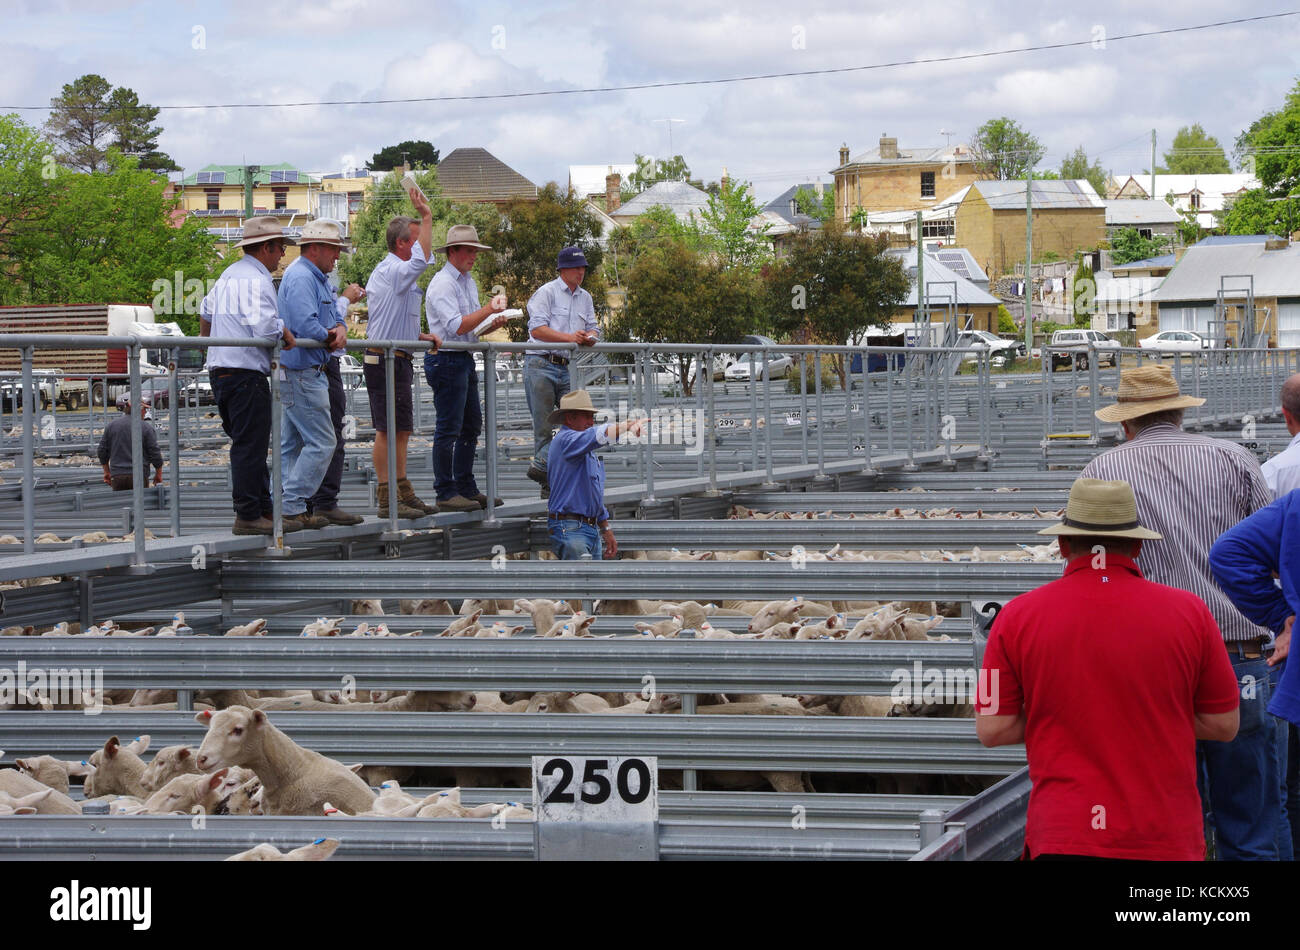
pixel 511 314
pixel 409 184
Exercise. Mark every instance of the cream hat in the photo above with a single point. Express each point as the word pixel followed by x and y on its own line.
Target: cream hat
pixel 1104 509
pixel 462 234
pixel 1144 390
pixel 576 401
pixel 322 231
pixel 264 228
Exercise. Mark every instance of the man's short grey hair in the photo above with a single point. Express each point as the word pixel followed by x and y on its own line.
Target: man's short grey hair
pixel 1163 417
pixel 1291 395
pixel 398 228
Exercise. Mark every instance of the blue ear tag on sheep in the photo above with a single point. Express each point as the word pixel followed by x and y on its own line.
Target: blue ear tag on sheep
pixel 319 841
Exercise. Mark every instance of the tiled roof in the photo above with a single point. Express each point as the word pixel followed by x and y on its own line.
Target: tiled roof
pixel 475 174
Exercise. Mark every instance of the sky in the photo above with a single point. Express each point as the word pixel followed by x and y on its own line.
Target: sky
pixel 1106 95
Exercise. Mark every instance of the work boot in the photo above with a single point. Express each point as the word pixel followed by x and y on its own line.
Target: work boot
pixel 259 526
pixel 339 516
pixel 406 494
pixel 482 500
pixel 536 474
pixel 314 520
pixel 294 522
pixel 403 510
pixel 458 503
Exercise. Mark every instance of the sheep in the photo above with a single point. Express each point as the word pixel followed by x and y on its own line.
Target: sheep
pixel 542 611
pixel 459 626
pixel 245 800
pixel 832 626
pixel 427 607
pixel 777 611
pixel 51 771
pixel 499 630
pixel 23 804
pixel 322 627
pixel 17 785
pixel 182 793
pixel 318 850
pixel 576 626
pixel 119 769
pixel 690 613
pixel 707 631
pixel 562 702
pixel 254 628
pixel 490 701
pixel 367 608
pixel 167 764
pixel 663 628
pixel 295 780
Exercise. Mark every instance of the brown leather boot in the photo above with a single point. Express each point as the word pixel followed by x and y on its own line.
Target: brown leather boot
pixel 406 494
pixel 403 510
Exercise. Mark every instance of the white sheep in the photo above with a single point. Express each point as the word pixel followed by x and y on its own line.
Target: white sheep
pixel 318 850
pixel 18 785
pixel 170 762
pixel 119 769
pixel 53 772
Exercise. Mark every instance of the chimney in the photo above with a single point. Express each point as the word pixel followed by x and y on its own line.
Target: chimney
pixel 1276 244
pixel 888 147
pixel 844 154
pixel 726 182
pixel 612 197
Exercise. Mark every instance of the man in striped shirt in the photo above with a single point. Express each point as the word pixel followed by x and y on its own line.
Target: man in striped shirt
pixel 1191 488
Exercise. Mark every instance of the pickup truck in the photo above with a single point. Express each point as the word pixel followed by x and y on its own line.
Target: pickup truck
pixel 1071 346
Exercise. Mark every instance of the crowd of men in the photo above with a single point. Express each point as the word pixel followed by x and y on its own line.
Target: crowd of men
pixel 244 303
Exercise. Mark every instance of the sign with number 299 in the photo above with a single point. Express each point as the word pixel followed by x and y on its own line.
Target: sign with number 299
pixel 577 788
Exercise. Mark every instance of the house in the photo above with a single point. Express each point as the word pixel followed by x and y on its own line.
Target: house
pixel 343 194
pixel 471 175
pixel 1068 217
pixel 216 193
pixel 782 218
pixel 1215 285
pixel 685 201
pixel 888 178
pixel 1150 267
pixel 591 181
pixel 1204 194
pixel 949 292
pixel 1125 302
pixel 1151 217
pixel 938 222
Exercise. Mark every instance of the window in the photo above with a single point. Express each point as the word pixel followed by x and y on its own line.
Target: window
pixel 355 200
pixel 938 229
pixel 281 198
pixel 1194 199
pixel 927 184
pixel 214 198
pixel 1145 232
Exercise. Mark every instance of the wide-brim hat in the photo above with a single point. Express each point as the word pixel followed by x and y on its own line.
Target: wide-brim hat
pixel 570 256
pixel 264 228
pixel 576 401
pixel 322 231
pixel 462 235
pixel 1102 509
pixel 1144 390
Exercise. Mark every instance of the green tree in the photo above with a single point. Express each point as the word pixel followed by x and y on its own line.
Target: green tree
pixel 1128 245
pixel 1255 212
pixel 649 171
pixel 1003 150
pixel 419 153
pixel 1083 294
pixel 30 182
pixel 1006 322
pixel 525 241
pixel 1076 166
pixel 1271 147
pixel 823 208
pixel 1194 153
pixel 832 286
pixel 727 220
pixel 91 116
pixel 657 223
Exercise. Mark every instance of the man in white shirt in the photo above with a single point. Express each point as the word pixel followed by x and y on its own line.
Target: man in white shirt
pixel 243 304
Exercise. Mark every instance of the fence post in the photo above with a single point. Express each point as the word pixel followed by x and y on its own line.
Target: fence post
pixel 174 442
pixel 29 466
pixel 821 416
pixel 390 389
pixel 490 427
pixel 139 559
pixel 711 428
pixel 649 404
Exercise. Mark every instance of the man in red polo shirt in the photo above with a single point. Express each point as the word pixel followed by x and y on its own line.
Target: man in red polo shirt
pixel 1108 679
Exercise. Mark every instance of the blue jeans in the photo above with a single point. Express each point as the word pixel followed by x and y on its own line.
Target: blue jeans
pixel 454 382
pixel 544 384
pixel 570 540
pixel 1241 779
pixel 307 439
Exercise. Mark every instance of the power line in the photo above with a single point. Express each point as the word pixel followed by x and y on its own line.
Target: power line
pixel 669 84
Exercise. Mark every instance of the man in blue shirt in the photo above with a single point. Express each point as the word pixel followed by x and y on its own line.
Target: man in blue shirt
pixel 559 312
pixel 577 507
pixel 307 307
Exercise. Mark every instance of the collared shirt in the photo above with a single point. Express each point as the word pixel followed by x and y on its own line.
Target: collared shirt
pixel 393 297
pixel 341 305
pixel 1282 471
pixel 308 310
pixel 242 303
pixel 451 295
pixel 1191 488
pixel 557 307
pixel 576 475
pixel 1109 670
pixel 115 445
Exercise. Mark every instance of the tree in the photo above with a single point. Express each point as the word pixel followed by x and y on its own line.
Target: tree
pixel 649 171
pixel 1003 150
pixel 526 239
pixel 29 184
pixel 1076 166
pixel 1083 294
pixel 822 208
pixel 419 153
pixel 657 223
pixel 1195 153
pixel 1128 245
pixel 832 286
pixel 1272 146
pixel 91 116
pixel 1255 212
pixel 727 219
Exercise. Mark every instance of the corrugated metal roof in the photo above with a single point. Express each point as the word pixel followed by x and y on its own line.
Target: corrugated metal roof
pixel 475 174
pixel 677 196
pixel 928 155
pixel 962 261
pixel 1217 240
pixel 234 175
pixel 1196 276
pixel 1047 194
pixel 1164 260
pixel 937 274
pixel 781 204
pixel 1121 212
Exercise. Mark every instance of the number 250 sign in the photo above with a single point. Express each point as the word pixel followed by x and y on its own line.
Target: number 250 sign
pixel 575 788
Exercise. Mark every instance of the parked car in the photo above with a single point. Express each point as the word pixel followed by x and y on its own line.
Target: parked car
pixel 766 365
pixel 1071 346
pixel 1175 341
pixel 154 390
pixel 976 340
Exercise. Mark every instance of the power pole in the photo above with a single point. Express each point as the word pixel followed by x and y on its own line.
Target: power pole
pixel 922 310
pixel 1153 164
pixel 249 172
pixel 1029 259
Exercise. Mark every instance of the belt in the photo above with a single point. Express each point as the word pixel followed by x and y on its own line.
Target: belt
pixel 402 353
pixel 218 371
pixel 552 358
pixel 570 516
pixel 1247 649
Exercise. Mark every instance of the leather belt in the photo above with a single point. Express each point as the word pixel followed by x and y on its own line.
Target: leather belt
pixel 570 516
pixel 218 371
pixel 552 358
pixel 1247 649
pixel 401 353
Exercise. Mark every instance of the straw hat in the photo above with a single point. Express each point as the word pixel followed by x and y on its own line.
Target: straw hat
pixel 1104 509
pixel 576 401
pixel 264 228
pixel 1144 390
pixel 322 231
pixel 464 235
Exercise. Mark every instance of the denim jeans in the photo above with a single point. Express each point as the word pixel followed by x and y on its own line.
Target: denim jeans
pixel 244 402
pixel 570 540
pixel 327 496
pixel 544 384
pixel 1241 779
pixel 454 382
pixel 1293 785
pixel 1285 841
pixel 307 439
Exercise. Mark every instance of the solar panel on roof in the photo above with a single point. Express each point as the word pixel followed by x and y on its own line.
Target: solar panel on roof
pixel 284 176
pixel 211 178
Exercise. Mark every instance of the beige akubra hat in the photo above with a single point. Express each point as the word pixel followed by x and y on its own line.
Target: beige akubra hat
pixel 576 401
pixel 465 235
pixel 1101 508
pixel 264 228
pixel 322 231
pixel 1144 390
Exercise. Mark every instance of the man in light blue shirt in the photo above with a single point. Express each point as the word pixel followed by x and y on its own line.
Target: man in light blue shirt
pixel 242 304
pixel 452 309
pixel 307 439
pixel 1282 471
pixel 559 312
